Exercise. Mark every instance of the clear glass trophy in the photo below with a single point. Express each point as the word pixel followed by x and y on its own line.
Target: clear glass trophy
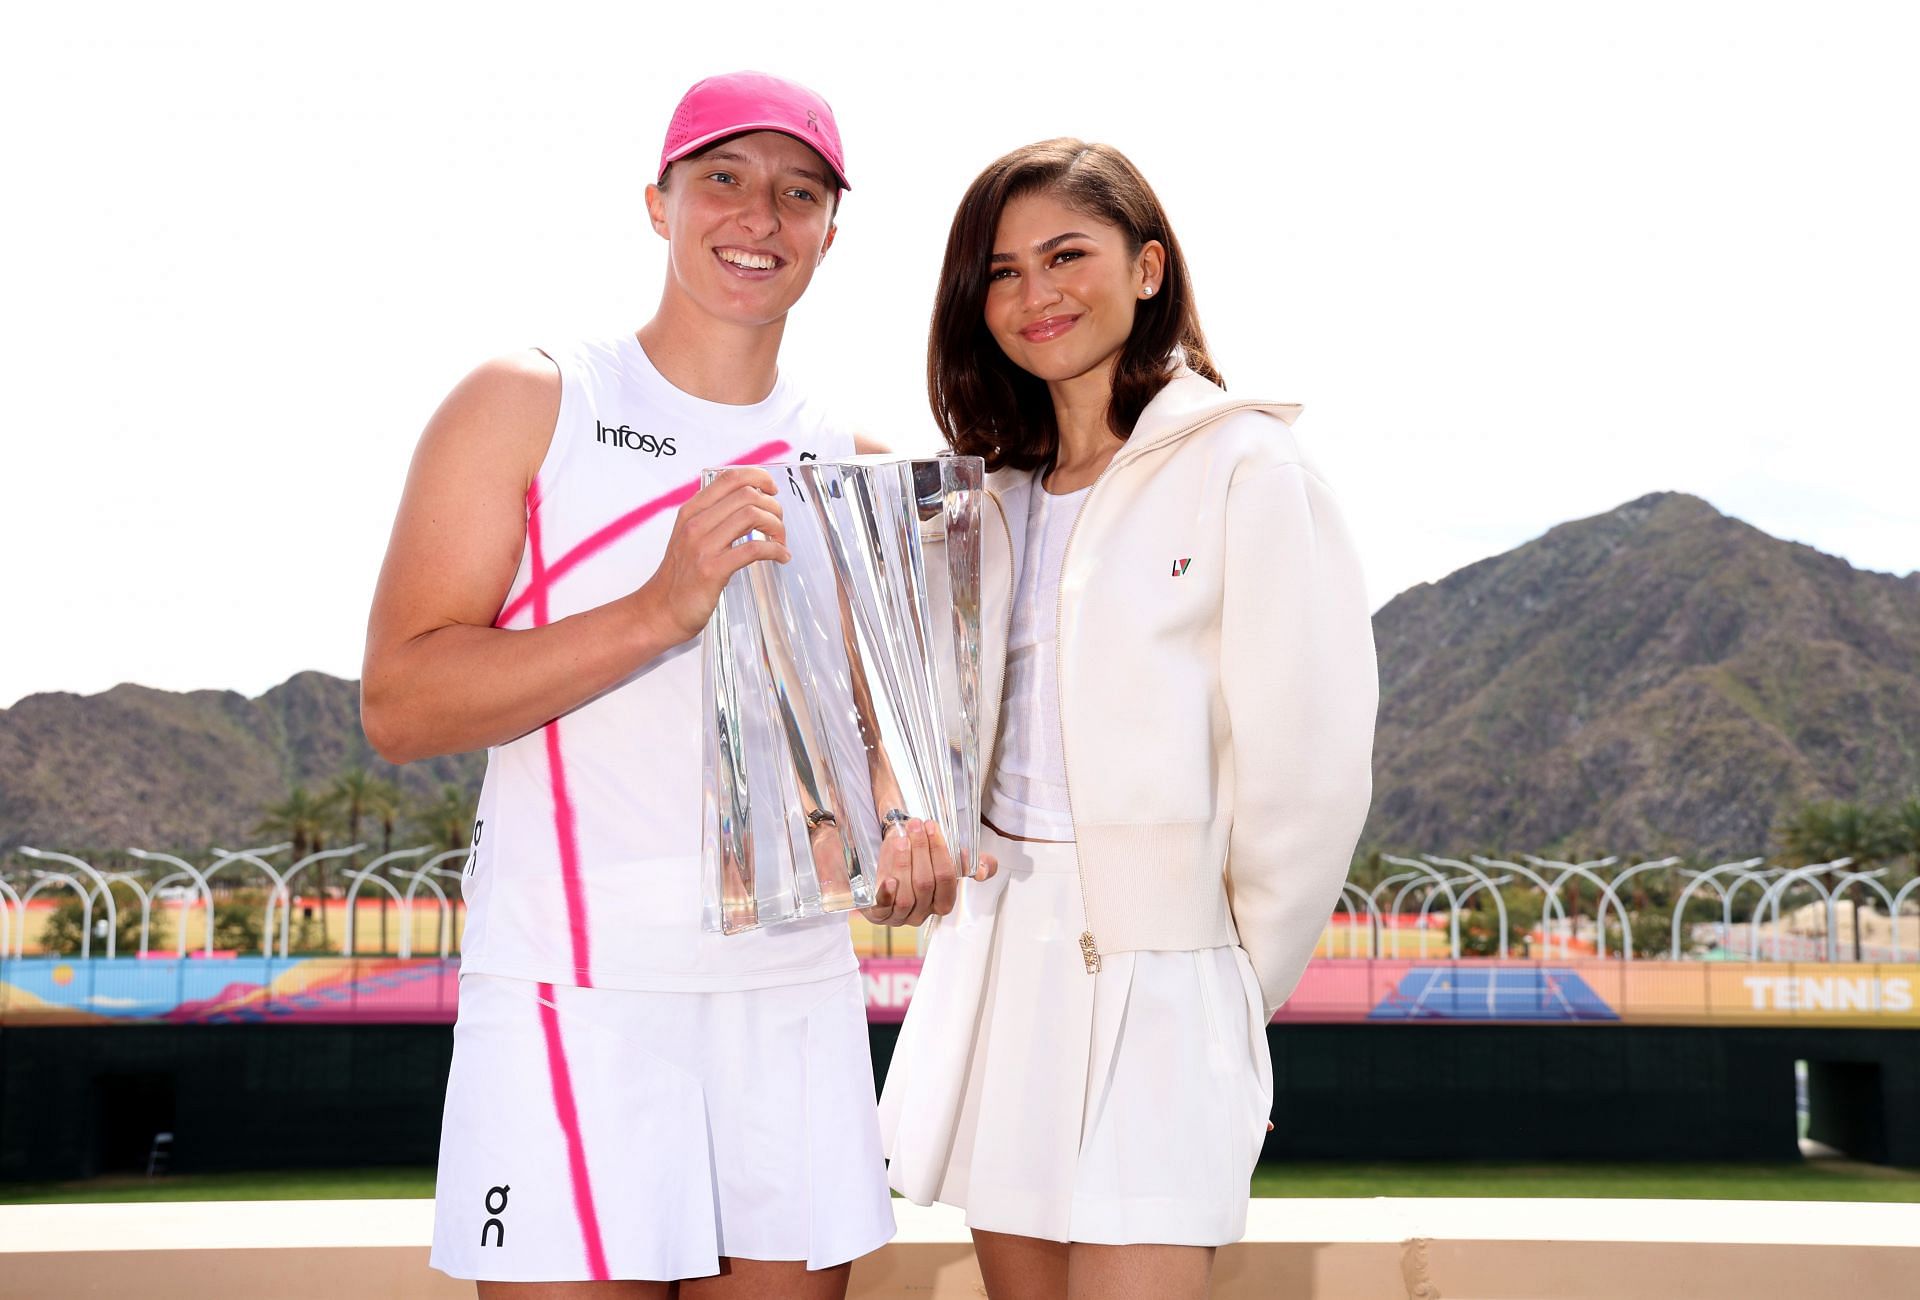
pixel 842 688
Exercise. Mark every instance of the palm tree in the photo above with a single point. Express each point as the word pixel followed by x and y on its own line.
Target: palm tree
pixel 1808 836
pixel 1905 818
pixel 1906 830
pixel 1868 836
pixel 386 804
pixel 302 819
pixel 1826 832
pixel 348 797
pixel 447 820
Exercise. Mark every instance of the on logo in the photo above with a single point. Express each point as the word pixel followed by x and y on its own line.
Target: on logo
pixel 473 850
pixel 494 1212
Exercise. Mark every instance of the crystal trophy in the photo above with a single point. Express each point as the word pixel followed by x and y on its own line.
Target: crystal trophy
pixel 842 688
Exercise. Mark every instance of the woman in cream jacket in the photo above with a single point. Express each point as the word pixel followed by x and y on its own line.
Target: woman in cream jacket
pixel 1178 699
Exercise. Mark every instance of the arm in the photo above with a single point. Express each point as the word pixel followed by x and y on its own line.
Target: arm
pixel 438 677
pixel 1298 673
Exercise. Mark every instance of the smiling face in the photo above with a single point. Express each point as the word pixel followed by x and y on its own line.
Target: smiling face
pixel 747 221
pixel 1062 288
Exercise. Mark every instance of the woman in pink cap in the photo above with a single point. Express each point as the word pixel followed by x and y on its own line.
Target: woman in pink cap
pixel 1180 766
pixel 633 1101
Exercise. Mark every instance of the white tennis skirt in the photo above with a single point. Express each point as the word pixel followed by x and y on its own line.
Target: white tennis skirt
pixel 607 1133
pixel 1118 1108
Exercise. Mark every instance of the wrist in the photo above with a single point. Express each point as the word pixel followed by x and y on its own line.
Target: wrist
pixel 651 628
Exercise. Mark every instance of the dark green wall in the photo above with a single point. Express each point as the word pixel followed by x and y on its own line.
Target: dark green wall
pixel 80 1101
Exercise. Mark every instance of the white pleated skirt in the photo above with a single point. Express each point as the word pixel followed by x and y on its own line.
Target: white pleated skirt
pixel 597 1134
pixel 1119 1108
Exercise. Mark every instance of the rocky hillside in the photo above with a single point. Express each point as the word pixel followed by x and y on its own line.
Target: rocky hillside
pixel 156 769
pixel 1658 678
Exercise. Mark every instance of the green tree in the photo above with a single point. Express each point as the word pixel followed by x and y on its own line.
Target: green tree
pixel 1652 930
pixel 1367 870
pixel 446 821
pixel 349 798
pixel 1831 830
pixel 236 921
pixel 353 797
pixel 62 931
pixel 1906 830
pixel 303 819
pixel 1524 902
pixel 386 805
pixel 300 817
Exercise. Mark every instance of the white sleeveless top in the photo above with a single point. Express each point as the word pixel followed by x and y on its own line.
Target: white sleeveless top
pixel 586 861
pixel 1028 796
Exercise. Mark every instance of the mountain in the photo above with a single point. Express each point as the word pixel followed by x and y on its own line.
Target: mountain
pixel 163 770
pixel 1659 678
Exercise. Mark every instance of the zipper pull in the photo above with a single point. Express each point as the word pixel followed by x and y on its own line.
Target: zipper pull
pixel 1089 953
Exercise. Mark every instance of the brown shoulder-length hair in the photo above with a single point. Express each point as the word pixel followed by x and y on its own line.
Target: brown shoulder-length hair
pixel 984 404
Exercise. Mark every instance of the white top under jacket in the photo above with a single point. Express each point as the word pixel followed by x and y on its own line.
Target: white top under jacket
pixel 1028 793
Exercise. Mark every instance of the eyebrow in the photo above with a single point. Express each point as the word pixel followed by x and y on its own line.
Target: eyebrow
pixel 728 155
pixel 1045 247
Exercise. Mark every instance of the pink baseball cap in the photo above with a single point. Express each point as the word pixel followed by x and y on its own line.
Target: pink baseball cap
pixel 737 102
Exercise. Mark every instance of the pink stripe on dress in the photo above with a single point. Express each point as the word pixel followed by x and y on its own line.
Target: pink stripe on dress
pixel 614 531
pixel 569 1114
pixel 565 828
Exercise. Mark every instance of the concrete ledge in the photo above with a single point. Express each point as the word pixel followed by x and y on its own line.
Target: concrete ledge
pixel 1493 1249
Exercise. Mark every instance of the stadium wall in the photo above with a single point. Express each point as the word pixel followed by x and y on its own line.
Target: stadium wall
pixel 78 1101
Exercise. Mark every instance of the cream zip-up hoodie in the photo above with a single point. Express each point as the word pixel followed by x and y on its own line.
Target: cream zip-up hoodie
pixel 1217 683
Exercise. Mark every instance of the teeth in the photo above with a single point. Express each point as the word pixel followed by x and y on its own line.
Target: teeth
pixel 753 261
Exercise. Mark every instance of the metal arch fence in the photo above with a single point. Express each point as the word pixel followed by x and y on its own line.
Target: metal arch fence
pixel 166 877
pixel 1426 881
pixel 1374 918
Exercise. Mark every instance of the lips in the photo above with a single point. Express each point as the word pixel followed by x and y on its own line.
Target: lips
pixel 749 263
pixel 1050 328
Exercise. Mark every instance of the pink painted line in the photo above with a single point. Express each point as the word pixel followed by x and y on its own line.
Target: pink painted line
pixel 567 833
pixel 619 528
pixel 566 827
pixel 570 1125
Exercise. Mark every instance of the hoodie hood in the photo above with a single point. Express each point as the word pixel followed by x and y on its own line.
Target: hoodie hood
pixel 1186 405
pixel 1189 403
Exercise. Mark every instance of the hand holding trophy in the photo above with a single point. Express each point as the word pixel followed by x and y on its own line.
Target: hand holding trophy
pixel 841 755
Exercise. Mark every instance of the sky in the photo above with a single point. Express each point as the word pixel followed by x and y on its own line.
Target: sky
pixel 1520 262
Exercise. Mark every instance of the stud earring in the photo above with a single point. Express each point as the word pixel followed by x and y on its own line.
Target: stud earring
pixel 1147 292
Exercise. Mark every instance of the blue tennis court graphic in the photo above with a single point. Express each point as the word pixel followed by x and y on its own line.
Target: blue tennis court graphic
pixel 1492 993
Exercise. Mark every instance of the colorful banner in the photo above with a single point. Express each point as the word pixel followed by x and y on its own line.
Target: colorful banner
pixel 231 991
pixel 1608 990
pixel 333 990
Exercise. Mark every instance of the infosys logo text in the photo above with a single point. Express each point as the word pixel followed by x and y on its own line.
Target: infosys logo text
pixel 626 437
